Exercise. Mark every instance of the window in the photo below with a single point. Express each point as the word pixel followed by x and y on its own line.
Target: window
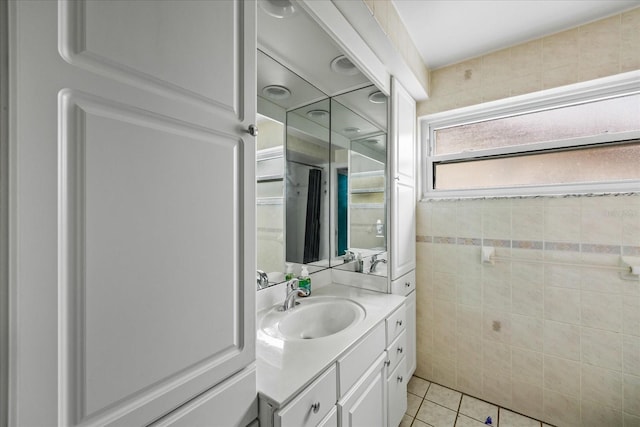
pixel 579 139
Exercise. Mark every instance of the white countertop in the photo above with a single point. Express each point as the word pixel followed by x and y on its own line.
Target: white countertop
pixel 286 367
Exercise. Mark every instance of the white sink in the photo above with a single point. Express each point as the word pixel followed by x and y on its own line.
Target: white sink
pixel 314 317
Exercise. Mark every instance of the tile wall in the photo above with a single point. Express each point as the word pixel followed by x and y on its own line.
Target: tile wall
pixel 555 342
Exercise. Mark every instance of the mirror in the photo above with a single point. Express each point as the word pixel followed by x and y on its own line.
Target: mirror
pixel 308 157
pixel 321 153
pixel 359 124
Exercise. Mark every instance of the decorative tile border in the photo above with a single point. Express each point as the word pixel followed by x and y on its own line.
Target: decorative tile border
pixel 526 244
pixel 496 243
pixel 590 248
pixel 600 249
pixel 468 241
pixel 631 250
pixel 562 246
pixel 446 240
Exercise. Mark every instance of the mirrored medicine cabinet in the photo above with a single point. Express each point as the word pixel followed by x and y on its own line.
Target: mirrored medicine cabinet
pixel 321 152
pixel 321 173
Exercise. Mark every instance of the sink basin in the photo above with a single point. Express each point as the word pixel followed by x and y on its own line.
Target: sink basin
pixel 315 317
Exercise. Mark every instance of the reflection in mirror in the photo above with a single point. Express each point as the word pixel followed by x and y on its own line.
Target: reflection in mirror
pixel 279 90
pixel 321 175
pixel 358 138
pixel 270 195
pixel 307 159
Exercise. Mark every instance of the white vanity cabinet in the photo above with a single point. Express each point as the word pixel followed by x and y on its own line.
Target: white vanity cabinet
pixel 397 377
pixel 406 286
pixel 360 387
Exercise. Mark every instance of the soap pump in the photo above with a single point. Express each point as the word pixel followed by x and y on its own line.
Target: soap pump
pixel 359 263
pixel 304 282
pixel 288 275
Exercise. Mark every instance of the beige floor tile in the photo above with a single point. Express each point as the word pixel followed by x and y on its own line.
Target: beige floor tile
pixel 418 423
pixel 464 421
pixel 413 404
pixel 511 419
pixel 478 409
pixel 406 421
pixel 444 396
pixel 436 415
pixel 418 386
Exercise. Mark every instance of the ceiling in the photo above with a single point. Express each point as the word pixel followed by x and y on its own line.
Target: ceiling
pixel 298 42
pixel 449 31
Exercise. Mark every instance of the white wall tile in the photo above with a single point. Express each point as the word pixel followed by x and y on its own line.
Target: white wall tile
pixel 632 395
pixel 562 340
pixel 602 311
pixel 527 366
pixel 602 348
pixel 561 409
pixel 562 304
pixel 562 375
pixel 527 332
pixel 602 385
pixel 631 355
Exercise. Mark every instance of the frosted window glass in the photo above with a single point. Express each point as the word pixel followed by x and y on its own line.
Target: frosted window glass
pixel 583 165
pixel 594 118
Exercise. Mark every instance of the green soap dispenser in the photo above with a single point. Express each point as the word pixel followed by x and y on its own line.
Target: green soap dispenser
pixel 304 281
pixel 289 273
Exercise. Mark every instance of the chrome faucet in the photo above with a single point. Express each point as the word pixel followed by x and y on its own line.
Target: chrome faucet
pixel 349 256
pixel 374 263
pixel 262 279
pixel 292 288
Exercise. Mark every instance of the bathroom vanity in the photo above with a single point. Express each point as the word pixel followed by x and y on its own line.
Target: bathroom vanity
pixel 355 376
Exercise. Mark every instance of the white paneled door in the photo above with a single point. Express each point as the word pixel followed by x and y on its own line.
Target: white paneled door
pixel 403 172
pixel 133 270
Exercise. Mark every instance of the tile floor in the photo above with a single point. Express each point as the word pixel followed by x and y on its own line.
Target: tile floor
pixel 430 404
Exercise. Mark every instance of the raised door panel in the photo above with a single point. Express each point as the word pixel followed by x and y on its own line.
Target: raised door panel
pixel 403 237
pixel 232 403
pixel 411 334
pixel 135 187
pixel 366 404
pixel 397 392
pixel 403 170
pixel 404 134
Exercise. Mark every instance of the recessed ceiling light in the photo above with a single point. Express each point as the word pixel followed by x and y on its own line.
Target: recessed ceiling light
pixel 351 130
pixel 318 114
pixel 276 92
pixel 377 97
pixel 278 8
pixel 343 65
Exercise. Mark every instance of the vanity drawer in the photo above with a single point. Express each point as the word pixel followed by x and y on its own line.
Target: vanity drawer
pixel 311 405
pixel 356 362
pixel 396 351
pixel 396 323
pixel 404 285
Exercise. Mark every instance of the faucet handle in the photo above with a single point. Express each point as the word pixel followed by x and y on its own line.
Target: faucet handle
pixel 292 284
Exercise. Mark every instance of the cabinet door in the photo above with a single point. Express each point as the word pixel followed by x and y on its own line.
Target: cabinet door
pixel 232 403
pixel 366 404
pixel 134 254
pixel 403 172
pixel 397 392
pixel 411 334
